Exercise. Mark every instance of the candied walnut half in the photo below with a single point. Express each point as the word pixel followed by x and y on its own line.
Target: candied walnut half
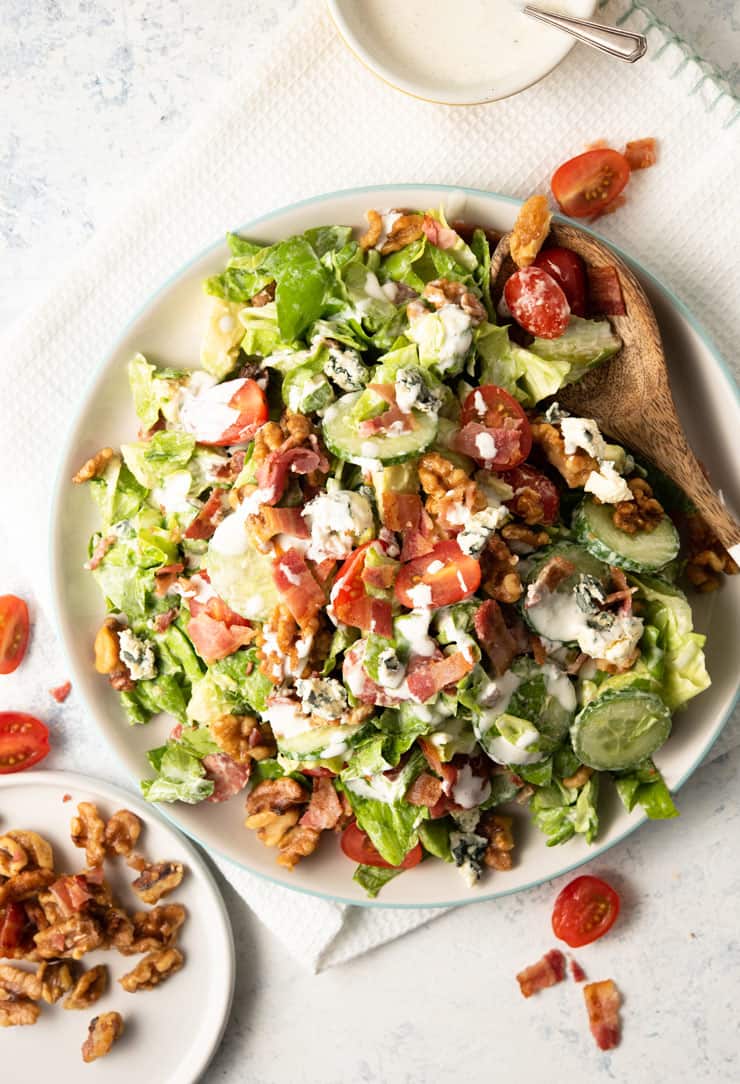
pixel 158 880
pixel 71 938
pixel 13 856
pixel 574 468
pixel 530 230
pixel 155 929
pixel 579 778
pixel 19 983
pixel 497 830
pixel 297 843
pixel 441 292
pixel 17 1012
pixel 122 832
pixel 281 638
pixel 501 581
pixel 56 978
pixel 451 494
pixel 152 970
pixel 405 229
pixel 87 830
pixel 25 885
pixel 374 230
pixel 242 738
pixel 94 467
pixel 39 851
pixel 102 1032
pixel 88 989
pixel 523 539
pixel 642 513
pixel 528 505
pixel 274 807
pixel 708 560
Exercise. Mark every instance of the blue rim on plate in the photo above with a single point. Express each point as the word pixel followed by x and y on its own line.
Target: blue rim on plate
pixel 638 820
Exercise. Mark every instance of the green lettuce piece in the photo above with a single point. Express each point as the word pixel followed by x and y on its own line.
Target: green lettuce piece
pixel 401 266
pixel 150 391
pixel 165 692
pixel 525 375
pixel 117 493
pixel 504 788
pixel 323 239
pixel 376 313
pixel 306 389
pixel 302 285
pixel 645 786
pixel 391 825
pixel 377 754
pixel 261 332
pixel 177 654
pixel 482 273
pixel 239 675
pixel 435 838
pixel 126 585
pixel 562 812
pixel 684 667
pixel 245 274
pixel 373 878
pixel 343 637
pixel 152 460
pixel 584 344
pixel 180 774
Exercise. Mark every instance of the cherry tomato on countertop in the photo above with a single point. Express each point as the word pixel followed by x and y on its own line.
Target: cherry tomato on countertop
pixel 358 847
pixel 569 271
pixel 439 578
pixel 24 741
pixel 537 302
pixel 584 911
pixel 585 185
pixel 14 627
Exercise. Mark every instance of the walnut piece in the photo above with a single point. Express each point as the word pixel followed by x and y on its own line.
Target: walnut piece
pixel 501 581
pixel 107 649
pixel 285 640
pixel 708 561
pixel 441 292
pixel 242 738
pixel 497 830
pixel 530 230
pixel 17 1012
pixel 451 494
pixel 71 938
pixel 152 970
pixel 271 827
pixel 158 880
pixel 642 513
pixel 19 983
pixel 122 832
pixel 276 795
pixel 94 467
pixel 13 856
pixel 527 504
pixel 25 885
pixel 578 778
pixel 102 1032
pixel 155 929
pixel 56 978
pixel 118 929
pixel 406 229
pixel 524 537
pixel 88 989
pixel 374 230
pixel 39 851
pixel 87 830
pixel 574 468
pixel 297 843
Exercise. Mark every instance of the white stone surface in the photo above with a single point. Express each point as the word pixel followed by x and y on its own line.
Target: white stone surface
pixel 93 93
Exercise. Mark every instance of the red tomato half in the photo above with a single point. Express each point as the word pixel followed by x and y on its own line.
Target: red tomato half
pixel 449 574
pixel 24 741
pixel 350 601
pixel 569 271
pixel 537 303
pixel 14 627
pixel 583 186
pixel 526 477
pixel 584 911
pixel 251 402
pixel 493 407
pixel 358 848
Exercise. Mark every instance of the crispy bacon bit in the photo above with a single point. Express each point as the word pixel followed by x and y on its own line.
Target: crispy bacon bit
pixel 272 475
pixel 163 621
pixel 392 418
pixel 61 692
pixel 165 576
pixel 530 230
pixel 430 675
pixel 264 296
pixel 494 636
pixel 538 650
pixel 605 291
pixel 602 1002
pixel 426 790
pixel 66 797
pixel 379 576
pixel 71 894
pixel 324 810
pixel 214 640
pixel 641 153
pixel 401 511
pixel 546 972
pixel 101 548
pixel 211 514
pixel 550 576
pixel 299 590
pixel 577 972
pixel 437 234
pixel 228 776
pixel 230 470
pixel 284 521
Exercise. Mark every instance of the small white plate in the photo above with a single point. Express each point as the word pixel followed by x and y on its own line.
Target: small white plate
pixel 172 1032
pixel 463 53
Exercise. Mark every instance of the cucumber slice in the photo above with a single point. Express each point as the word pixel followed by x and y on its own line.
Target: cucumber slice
pixel 318 741
pixel 558 616
pixel 244 581
pixel 341 436
pixel 646 551
pixel 620 729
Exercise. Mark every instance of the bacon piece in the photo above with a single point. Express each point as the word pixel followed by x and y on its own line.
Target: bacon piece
pixel 323 569
pixel 385 391
pixel 550 576
pixel 602 1002
pixel 426 790
pixel 373 615
pixel 214 640
pixel 418 542
pixel 284 521
pixel 211 514
pixel 324 810
pixel 576 971
pixel 605 291
pixel 426 679
pixel 163 621
pixel 70 894
pixel 437 234
pixel 507 442
pixel 401 511
pixel 299 590
pixel 381 423
pixel 165 576
pixel 61 692
pixel 379 576
pixel 232 468
pixel 546 972
pixel 622 593
pixel 100 551
pixel 272 475
pixel 12 922
pixel 95 876
pixel 228 776
pixel 538 650
pixel 495 637
pixel 641 153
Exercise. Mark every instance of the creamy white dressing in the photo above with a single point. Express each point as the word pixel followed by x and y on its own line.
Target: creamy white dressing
pixel 470 789
pixel 379 788
pixel 414 627
pixel 205 412
pixel 286 718
pixel 230 537
pixel 498 693
pixel 506 752
pixel 421 595
pixel 558 685
pixel 172 494
pixel 486 446
pixel 336 521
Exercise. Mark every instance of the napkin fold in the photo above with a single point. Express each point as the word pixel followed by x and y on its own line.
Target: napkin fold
pixel 307 118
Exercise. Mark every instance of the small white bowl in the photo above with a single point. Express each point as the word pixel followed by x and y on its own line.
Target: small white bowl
pixel 464 53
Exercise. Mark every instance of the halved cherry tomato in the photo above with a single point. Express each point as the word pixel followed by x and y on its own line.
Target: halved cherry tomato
pixel 14 627
pixel 584 911
pixel 358 848
pixel 448 574
pixel 24 741
pixel 537 303
pixel 569 271
pixel 12 921
pixel 493 407
pixel 583 186
pixel 251 402
pixel 349 598
pixel 526 477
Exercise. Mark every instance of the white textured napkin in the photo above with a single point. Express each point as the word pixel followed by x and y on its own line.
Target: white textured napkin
pixel 307 118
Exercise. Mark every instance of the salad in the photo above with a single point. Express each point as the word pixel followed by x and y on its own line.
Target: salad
pixel 376 575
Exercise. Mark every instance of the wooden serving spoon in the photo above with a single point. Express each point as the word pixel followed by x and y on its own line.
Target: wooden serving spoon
pixel 628 395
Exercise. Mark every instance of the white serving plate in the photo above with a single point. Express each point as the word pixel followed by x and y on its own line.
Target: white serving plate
pixel 170 1033
pixel 168 331
pixel 466 53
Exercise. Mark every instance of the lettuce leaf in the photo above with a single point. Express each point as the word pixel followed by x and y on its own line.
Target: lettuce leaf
pixel 165 692
pixel 645 786
pixel 117 493
pixel 152 460
pixel 526 376
pixel 667 610
pixel 388 819
pixel 180 774
pixel 151 391
pixel 302 285
pixel 373 878
pixel 562 812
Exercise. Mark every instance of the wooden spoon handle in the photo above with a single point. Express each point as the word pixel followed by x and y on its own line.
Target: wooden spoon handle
pixel 686 471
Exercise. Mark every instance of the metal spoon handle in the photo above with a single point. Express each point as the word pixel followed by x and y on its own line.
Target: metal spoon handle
pixel 623 44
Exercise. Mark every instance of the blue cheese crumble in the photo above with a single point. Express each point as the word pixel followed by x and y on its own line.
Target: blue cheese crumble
pixel 138 656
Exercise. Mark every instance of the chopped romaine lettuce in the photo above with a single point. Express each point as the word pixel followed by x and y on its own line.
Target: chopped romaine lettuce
pixel 684 667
